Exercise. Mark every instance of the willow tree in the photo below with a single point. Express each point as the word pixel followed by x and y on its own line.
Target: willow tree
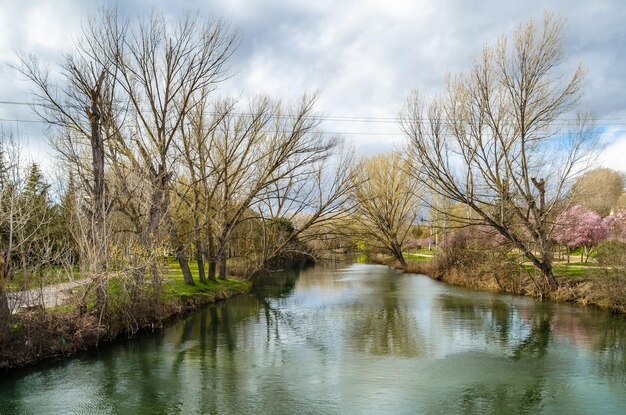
pixel 497 140
pixel 387 202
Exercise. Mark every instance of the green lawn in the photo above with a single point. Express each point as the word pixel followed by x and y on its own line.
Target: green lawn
pixel 570 271
pixel 423 251
pixel 416 257
pixel 575 270
pixel 174 284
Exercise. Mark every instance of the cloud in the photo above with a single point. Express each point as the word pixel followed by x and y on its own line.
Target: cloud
pixel 614 156
pixel 363 57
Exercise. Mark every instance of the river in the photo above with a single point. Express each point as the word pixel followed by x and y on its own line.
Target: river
pixel 350 339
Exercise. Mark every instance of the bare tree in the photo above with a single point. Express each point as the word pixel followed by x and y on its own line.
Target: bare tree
pixel 195 145
pixel 8 204
pixel 305 211
pixel 80 111
pixel 163 68
pixel 252 152
pixel 495 141
pixel 387 202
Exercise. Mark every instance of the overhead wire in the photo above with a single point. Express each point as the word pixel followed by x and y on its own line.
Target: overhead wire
pixel 353 119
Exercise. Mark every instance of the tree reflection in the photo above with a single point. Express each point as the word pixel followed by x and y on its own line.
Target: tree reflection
pixel 387 327
pixel 535 345
pixel 492 354
pixel 501 399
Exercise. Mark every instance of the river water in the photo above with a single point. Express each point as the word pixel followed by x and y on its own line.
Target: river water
pixel 351 339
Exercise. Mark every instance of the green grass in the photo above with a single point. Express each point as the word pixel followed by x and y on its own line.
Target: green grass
pixel 173 288
pixel 62 308
pixel 575 270
pixel 422 251
pixel 416 257
pixel 568 271
pixel 580 264
pixel 174 283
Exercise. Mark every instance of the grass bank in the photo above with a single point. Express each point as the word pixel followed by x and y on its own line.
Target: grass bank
pixel 63 330
pixel 583 283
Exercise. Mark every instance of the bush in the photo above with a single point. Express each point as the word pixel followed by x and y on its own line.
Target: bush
pixel 611 254
pixel 467 255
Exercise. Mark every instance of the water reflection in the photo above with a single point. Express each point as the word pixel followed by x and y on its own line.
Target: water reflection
pixel 351 339
pixel 387 326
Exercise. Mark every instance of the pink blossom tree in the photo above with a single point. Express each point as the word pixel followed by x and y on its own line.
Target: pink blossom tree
pixel 579 227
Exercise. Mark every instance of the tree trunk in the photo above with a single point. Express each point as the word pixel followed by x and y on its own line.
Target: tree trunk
pixel 402 260
pixel 582 253
pixel 197 229
pixel 397 252
pixel 98 262
pixel 430 238
pixel 200 259
pixel 180 254
pixel 184 266
pixel 212 269
pixel 546 262
pixel 159 203
pixel 5 313
pixel 210 254
pixel 222 264
pixel 548 275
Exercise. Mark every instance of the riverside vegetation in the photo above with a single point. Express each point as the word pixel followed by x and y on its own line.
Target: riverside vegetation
pixel 171 197
pixel 154 167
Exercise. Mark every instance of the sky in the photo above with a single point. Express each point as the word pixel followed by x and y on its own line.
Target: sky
pixel 361 57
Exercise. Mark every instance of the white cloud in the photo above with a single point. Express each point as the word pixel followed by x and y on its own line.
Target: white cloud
pixel 613 141
pixel 614 156
pixel 362 56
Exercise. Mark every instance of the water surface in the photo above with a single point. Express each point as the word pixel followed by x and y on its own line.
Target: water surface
pixel 354 339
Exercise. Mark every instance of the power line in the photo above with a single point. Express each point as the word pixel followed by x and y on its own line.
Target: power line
pixel 22 121
pixel 15 103
pixel 348 118
pixel 387 120
pixel 331 133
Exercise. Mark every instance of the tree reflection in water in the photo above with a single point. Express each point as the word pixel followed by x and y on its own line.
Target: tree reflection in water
pixel 386 325
pixel 360 339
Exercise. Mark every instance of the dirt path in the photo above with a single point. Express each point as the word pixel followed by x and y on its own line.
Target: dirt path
pixel 48 296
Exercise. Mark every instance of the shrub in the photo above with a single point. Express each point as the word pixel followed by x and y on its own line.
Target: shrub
pixel 466 254
pixel 611 254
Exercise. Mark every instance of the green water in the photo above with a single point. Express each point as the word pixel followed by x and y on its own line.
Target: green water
pixel 356 339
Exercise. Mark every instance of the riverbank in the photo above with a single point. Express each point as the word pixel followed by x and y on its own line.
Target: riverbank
pixel 63 330
pixel 598 287
pixel 346 338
